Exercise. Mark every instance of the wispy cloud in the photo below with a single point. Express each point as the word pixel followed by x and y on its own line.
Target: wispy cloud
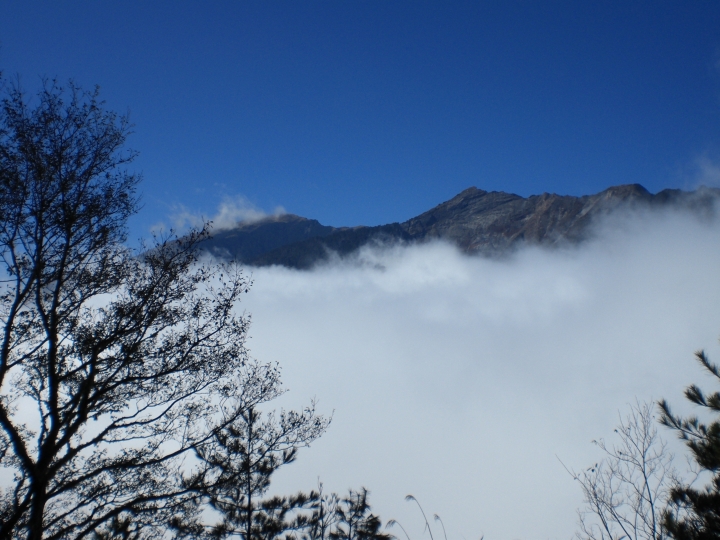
pixel 705 171
pixel 230 212
pixel 459 379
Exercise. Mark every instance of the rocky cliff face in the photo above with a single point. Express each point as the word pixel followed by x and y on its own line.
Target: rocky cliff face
pixel 476 221
pixel 487 222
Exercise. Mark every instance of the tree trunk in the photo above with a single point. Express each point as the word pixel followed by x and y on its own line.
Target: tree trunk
pixel 37 512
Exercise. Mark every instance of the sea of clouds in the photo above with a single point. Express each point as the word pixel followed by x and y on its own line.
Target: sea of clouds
pixel 465 380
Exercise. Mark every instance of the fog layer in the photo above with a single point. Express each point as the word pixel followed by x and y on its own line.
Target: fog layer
pixel 461 380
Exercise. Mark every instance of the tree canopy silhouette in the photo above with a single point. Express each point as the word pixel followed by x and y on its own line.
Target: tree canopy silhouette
pixel 112 363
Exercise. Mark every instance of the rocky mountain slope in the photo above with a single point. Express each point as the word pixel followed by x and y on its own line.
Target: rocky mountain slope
pixel 477 221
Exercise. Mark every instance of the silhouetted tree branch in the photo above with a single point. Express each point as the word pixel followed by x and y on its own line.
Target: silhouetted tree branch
pixel 626 493
pixel 239 460
pixel 113 366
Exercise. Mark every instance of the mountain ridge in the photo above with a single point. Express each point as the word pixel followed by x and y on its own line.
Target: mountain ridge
pixel 476 221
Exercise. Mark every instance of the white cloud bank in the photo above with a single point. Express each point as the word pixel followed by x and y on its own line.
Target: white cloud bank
pixel 460 379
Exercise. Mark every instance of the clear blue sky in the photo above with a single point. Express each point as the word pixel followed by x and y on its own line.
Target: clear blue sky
pixel 369 112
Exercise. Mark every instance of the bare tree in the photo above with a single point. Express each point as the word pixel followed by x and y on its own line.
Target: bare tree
pixel 113 366
pixel 625 493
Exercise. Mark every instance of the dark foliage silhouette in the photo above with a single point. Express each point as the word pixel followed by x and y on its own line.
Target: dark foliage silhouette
pixel 238 461
pixel 694 513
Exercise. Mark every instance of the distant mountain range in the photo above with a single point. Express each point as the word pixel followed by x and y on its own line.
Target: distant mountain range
pixel 477 221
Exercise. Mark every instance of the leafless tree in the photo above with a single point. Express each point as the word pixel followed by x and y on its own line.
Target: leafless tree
pixel 113 365
pixel 625 493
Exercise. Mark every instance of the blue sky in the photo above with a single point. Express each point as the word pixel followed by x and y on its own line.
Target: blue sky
pixel 372 112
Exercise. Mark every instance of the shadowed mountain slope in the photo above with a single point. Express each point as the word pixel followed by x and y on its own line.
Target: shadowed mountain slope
pixel 248 241
pixel 477 221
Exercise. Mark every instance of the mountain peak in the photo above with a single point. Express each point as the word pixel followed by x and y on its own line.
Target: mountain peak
pixel 627 191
